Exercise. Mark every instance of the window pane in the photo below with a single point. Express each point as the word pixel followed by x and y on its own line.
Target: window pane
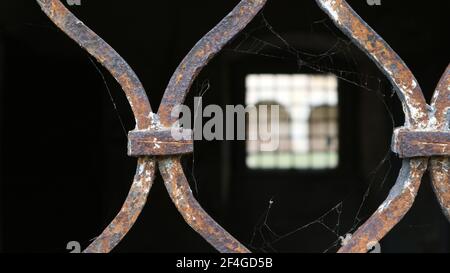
pixel 307 121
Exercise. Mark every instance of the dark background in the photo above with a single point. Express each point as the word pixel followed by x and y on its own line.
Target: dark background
pixel 64 172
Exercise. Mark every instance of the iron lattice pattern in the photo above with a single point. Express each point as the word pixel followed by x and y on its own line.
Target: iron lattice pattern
pixel 423 142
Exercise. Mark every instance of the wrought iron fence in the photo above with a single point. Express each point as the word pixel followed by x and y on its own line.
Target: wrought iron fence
pixel 423 142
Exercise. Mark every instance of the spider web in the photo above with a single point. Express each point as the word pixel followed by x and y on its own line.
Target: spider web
pixel 264 237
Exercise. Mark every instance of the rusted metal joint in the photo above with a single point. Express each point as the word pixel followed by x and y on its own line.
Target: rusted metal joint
pixel 163 141
pixel 420 143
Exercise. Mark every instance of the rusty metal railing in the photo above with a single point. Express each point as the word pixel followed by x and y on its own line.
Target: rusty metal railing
pixel 425 134
pixel 152 136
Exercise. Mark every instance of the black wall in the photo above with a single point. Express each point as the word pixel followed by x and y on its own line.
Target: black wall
pixel 64 172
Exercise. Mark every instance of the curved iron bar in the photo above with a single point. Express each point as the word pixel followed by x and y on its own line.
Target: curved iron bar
pixel 192 212
pixel 403 193
pixel 199 56
pixel 105 55
pixel 175 94
pixel 407 87
pixel 440 178
pixel 440 166
pixel 392 210
pixel 130 211
pixel 140 105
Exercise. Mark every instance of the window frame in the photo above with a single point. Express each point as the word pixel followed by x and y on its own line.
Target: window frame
pixel 308 122
pixel 347 164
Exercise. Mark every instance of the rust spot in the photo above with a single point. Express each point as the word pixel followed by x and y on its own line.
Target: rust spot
pixel 179 78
